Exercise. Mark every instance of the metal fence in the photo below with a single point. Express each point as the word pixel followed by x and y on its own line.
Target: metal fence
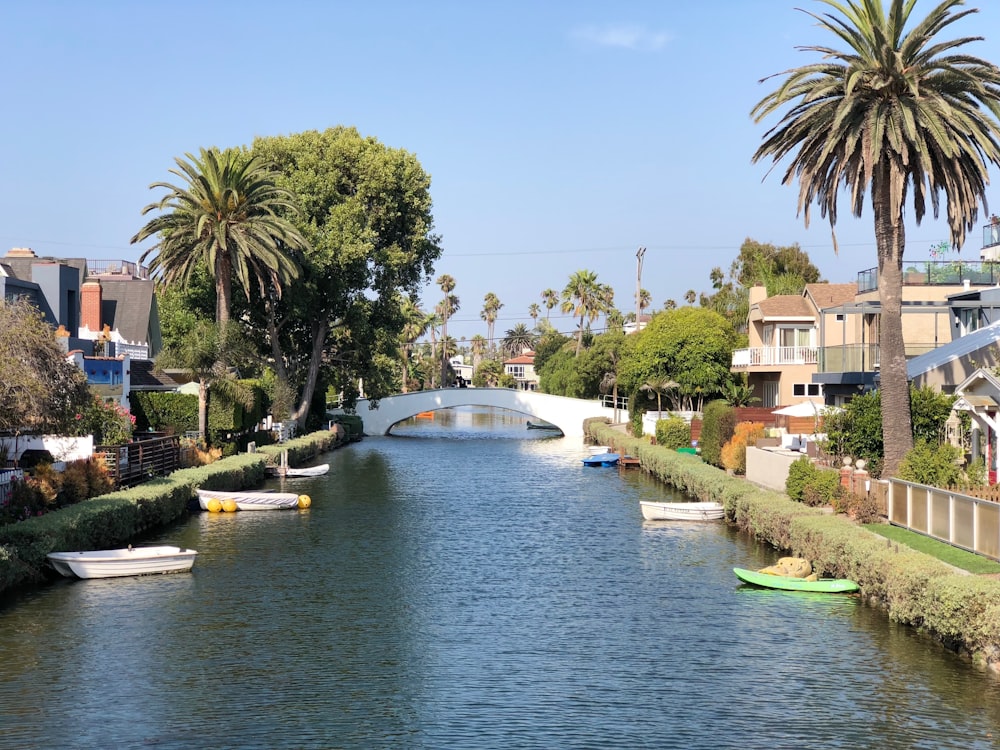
pixel 138 461
pixel 964 521
pixel 7 479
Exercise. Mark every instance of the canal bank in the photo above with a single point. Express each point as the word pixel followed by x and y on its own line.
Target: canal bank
pixel 125 516
pixel 962 612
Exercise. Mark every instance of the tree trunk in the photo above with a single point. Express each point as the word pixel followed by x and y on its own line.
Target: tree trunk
pixel 320 329
pixel 203 410
pixel 897 431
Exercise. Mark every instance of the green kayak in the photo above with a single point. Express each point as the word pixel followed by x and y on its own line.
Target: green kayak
pixel 823 585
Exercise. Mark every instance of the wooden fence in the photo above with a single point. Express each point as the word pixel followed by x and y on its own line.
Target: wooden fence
pixel 138 461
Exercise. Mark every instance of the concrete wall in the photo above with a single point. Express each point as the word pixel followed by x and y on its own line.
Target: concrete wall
pixel 769 468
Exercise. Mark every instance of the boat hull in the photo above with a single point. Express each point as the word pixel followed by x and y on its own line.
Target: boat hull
pixel 695 511
pixel 131 561
pixel 309 471
pixel 602 459
pixel 785 583
pixel 251 500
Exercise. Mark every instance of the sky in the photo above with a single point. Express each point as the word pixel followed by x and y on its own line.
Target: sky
pixel 559 136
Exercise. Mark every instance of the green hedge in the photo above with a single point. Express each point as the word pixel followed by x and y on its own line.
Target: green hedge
pixel 961 611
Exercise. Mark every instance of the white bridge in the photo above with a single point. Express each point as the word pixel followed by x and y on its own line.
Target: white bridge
pixel 565 413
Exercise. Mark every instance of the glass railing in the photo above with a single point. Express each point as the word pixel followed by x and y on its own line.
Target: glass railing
pixel 861 357
pixel 938 273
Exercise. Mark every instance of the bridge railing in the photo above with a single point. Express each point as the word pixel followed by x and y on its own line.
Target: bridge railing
pixel 608 402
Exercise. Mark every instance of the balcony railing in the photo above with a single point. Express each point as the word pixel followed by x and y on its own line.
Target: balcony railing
pixel 117 268
pixel 765 356
pixel 991 235
pixel 938 273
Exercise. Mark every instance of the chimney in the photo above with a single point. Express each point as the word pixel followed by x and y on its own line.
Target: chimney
pixel 21 252
pixel 758 293
pixel 90 305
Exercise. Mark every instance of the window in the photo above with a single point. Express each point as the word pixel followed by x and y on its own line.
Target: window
pixel 806 389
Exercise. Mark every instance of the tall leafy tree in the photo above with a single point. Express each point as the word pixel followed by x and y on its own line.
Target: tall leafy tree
pixel 366 211
pixel 901 114
pixel 230 217
pixel 40 390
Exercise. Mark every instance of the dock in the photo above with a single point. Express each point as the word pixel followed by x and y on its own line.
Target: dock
pixel 628 462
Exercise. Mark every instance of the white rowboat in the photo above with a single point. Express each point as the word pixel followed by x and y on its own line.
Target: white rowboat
pixel 131 561
pixel 249 500
pixel 703 511
pixel 309 471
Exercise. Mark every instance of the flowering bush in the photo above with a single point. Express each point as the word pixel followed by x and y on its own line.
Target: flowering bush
pixel 109 422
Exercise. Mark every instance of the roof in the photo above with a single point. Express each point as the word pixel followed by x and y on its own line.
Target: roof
pixel 831 295
pixel 127 305
pixel 144 377
pixel 525 359
pixel 970 343
pixel 786 306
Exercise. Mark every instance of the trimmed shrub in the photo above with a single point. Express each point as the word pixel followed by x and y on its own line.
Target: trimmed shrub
pixel 800 473
pixel 673 432
pixel 734 453
pixel 717 426
pixel 932 464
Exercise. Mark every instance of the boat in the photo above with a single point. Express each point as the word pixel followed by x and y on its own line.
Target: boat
pixel 542 426
pixel 788 583
pixel 309 471
pixel 250 500
pixel 602 459
pixel 130 561
pixel 693 511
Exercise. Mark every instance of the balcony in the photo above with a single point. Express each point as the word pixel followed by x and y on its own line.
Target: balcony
pixel 938 273
pixel 769 356
pixel 860 357
pixel 117 268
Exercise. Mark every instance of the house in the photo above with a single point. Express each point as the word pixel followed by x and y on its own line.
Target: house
pixel 105 313
pixel 463 372
pixel 522 369
pixel 782 335
pixel 107 307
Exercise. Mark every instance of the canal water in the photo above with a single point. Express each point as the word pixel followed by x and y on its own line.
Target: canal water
pixel 468 583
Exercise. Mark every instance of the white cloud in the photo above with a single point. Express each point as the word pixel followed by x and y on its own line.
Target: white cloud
pixel 625 36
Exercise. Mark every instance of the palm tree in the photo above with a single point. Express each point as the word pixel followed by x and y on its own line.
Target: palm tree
pixel 534 311
pixel 584 297
pixel 895 114
pixel 203 352
pixel 551 298
pixel 645 300
pixel 478 346
pixel 491 307
pixel 448 307
pixel 659 386
pixel 415 324
pixel 231 216
pixel 517 340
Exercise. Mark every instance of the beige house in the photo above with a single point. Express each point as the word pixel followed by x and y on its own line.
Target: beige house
pixel 522 369
pixel 783 335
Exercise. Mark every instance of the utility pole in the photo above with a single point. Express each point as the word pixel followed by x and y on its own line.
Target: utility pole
pixel 638 284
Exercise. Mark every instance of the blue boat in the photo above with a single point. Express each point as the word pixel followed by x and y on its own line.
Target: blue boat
pixel 602 459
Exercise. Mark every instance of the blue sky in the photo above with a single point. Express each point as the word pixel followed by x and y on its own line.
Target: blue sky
pixel 559 135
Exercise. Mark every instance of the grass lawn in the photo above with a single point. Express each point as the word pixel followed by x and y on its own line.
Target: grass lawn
pixel 943 552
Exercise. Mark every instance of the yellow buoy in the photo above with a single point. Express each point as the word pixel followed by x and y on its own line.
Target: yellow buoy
pixel 229 505
pixel 213 505
pixel 305 501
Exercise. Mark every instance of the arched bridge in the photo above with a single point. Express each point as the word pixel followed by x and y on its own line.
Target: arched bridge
pixel 565 413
